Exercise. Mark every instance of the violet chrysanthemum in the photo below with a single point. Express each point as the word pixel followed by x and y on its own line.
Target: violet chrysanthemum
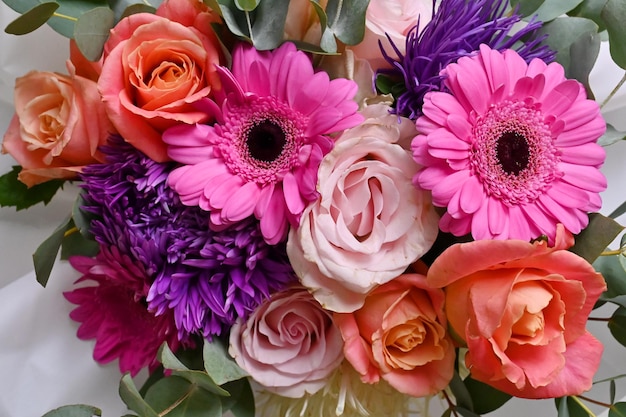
pixel 511 150
pixel 205 279
pixel 113 311
pixel 273 117
pixel 457 28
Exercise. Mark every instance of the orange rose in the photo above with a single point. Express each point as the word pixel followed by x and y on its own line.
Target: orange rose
pixel 58 125
pixel 400 335
pixel 521 308
pixel 153 71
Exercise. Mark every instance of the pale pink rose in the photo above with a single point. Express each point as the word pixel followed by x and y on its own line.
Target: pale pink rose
pixel 394 18
pixel 58 125
pixel 369 222
pixel 521 308
pixel 400 335
pixel 154 70
pixel 289 344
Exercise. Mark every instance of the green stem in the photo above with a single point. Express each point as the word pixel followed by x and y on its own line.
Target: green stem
pixel 614 91
pixel 64 16
pixel 177 402
pixel 450 403
pixel 578 399
pixel 249 24
pixel 599 319
pixel 612 252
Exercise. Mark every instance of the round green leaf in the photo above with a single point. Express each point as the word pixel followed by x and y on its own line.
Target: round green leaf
pixel 77 410
pixel 617 410
pixel 617 325
pixel 614 15
pixel 246 5
pixel 92 30
pixel 32 19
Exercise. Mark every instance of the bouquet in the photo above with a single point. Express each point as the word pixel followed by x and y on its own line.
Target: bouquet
pixel 329 208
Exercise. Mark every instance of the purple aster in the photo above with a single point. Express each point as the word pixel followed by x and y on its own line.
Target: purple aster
pixel 206 278
pixel 457 29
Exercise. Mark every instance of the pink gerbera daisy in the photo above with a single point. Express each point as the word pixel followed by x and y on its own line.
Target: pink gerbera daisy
pixel 115 312
pixel 273 117
pixel 511 150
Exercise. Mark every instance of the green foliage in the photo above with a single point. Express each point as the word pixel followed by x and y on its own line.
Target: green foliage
pixel 614 15
pixel 569 408
pixel 219 364
pixel 133 399
pixel 177 397
pixel 485 398
pixel 551 9
pixel 76 410
pixel 594 239
pixel 14 193
pixel 92 30
pixel 618 410
pixel 32 19
pixel 46 254
pixel 610 137
pixel 617 325
pixel 614 275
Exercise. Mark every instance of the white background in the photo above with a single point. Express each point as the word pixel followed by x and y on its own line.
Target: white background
pixel 43 365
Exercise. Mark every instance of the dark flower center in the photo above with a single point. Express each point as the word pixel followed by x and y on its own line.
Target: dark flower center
pixel 266 141
pixel 513 152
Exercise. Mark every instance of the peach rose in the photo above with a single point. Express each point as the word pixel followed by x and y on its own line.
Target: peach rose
pixel 521 308
pixel 400 335
pixel 58 125
pixel 394 18
pixel 153 71
pixel 369 222
pixel 289 344
pixel 302 22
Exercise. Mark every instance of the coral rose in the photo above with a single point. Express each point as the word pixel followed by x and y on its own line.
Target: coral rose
pixel 369 222
pixel 153 71
pixel 400 335
pixel 393 18
pixel 290 345
pixel 58 125
pixel 521 308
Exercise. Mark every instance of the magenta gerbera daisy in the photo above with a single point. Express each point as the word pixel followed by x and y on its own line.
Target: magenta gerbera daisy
pixel 273 118
pixel 511 150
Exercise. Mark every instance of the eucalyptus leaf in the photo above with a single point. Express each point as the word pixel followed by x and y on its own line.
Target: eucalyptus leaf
pixel 248 5
pixel 75 410
pixel 611 136
pixel 241 400
pixel 591 9
pixel 614 275
pixel 562 407
pixel 136 8
pixel 123 8
pixel 133 400
pixel 461 393
pixel 563 32
pixel 202 379
pixel 612 389
pixel 346 18
pixel 177 397
pixel 617 410
pixel 595 238
pixel 614 15
pixel 465 412
pixel 573 407
pixel 617 325
pixel 526 7
pixel 82 219
pixel 92 31
pixel 618 211
pixel 46 254
pixel 583 55
pixel 76 244
pixel 551 9
pixel 485 398
pixel 219 364
pixel 269 24
pixel 235 20
pixel 327 41
pixel 32 19
pixel 619 300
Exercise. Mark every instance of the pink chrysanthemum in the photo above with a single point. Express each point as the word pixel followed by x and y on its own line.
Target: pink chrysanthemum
pixel 511 150
pixel 114 312
pixel 273 115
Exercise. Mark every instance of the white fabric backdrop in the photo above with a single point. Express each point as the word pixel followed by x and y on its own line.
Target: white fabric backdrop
pixel 43 365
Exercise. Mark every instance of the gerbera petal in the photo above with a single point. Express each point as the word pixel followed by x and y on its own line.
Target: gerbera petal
pixel 293 198
pixel 218 196
pixel 584 177
pixel 561 98
pixel 241 203
pixel 472 195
